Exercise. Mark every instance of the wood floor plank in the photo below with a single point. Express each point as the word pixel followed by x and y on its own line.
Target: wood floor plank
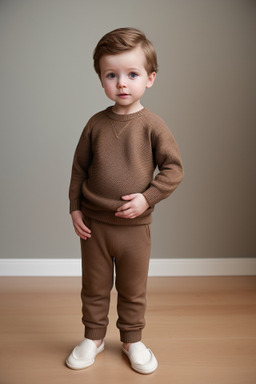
pixel 202 330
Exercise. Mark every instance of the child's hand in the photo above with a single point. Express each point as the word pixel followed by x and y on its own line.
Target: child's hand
pixel 80 228
pixel 135 207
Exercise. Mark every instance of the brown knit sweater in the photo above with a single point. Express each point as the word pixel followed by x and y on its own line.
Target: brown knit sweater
pixel 116 156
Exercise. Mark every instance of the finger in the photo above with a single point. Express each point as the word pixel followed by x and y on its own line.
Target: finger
pixel 124 207
pixel 129 197
pixel 82 231
pixel 82 235
pixel 81 225
pixel 125 214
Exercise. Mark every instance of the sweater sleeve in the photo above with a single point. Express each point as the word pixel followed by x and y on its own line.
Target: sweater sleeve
pixel 80 167
pixel 168 159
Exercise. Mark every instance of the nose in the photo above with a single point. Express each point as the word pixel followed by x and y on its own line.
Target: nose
pixel 121 83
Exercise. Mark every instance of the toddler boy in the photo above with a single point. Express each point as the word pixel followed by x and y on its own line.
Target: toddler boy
pixel 113 193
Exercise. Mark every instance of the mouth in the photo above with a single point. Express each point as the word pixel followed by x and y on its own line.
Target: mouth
pixel 123 94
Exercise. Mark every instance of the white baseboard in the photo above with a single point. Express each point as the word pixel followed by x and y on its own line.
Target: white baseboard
pixel 158 267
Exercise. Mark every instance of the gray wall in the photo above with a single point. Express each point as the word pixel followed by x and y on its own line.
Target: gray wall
pixel 205 91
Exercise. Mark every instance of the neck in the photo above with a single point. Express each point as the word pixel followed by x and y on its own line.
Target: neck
pixel 126 110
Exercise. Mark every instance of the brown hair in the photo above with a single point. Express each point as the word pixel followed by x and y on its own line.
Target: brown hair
pixel 125 39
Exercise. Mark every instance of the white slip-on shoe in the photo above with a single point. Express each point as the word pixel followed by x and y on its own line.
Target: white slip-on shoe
pixel 83 355
pixel 141 358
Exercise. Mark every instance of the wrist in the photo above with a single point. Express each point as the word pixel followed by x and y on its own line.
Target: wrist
pixel 146 201
pixel 76 213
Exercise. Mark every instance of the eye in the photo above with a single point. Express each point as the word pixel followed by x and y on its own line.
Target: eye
pixel 111 75
pixel 133 75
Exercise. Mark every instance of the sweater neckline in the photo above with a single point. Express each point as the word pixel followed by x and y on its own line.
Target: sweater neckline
pixel 129 116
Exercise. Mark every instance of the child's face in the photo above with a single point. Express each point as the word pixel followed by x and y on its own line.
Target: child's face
pixel 125 79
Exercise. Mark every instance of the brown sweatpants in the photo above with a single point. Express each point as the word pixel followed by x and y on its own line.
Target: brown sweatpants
pixel 128 248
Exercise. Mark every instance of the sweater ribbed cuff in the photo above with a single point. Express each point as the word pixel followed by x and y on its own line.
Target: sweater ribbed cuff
pixel 75 205
pixel 152 196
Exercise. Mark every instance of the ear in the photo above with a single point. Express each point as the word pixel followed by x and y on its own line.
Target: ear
pixel 151 79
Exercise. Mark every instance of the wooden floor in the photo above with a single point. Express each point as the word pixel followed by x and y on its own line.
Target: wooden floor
pixel 202 331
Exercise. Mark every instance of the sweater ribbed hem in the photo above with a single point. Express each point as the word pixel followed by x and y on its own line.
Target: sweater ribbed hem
pixel 109 217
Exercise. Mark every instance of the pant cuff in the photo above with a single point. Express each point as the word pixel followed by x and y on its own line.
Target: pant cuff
pixel 95 334
pixel 130 337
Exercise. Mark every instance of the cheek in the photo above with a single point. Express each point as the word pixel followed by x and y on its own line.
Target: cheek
pixel 109 90
pixel 108 87
pixel 140 88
